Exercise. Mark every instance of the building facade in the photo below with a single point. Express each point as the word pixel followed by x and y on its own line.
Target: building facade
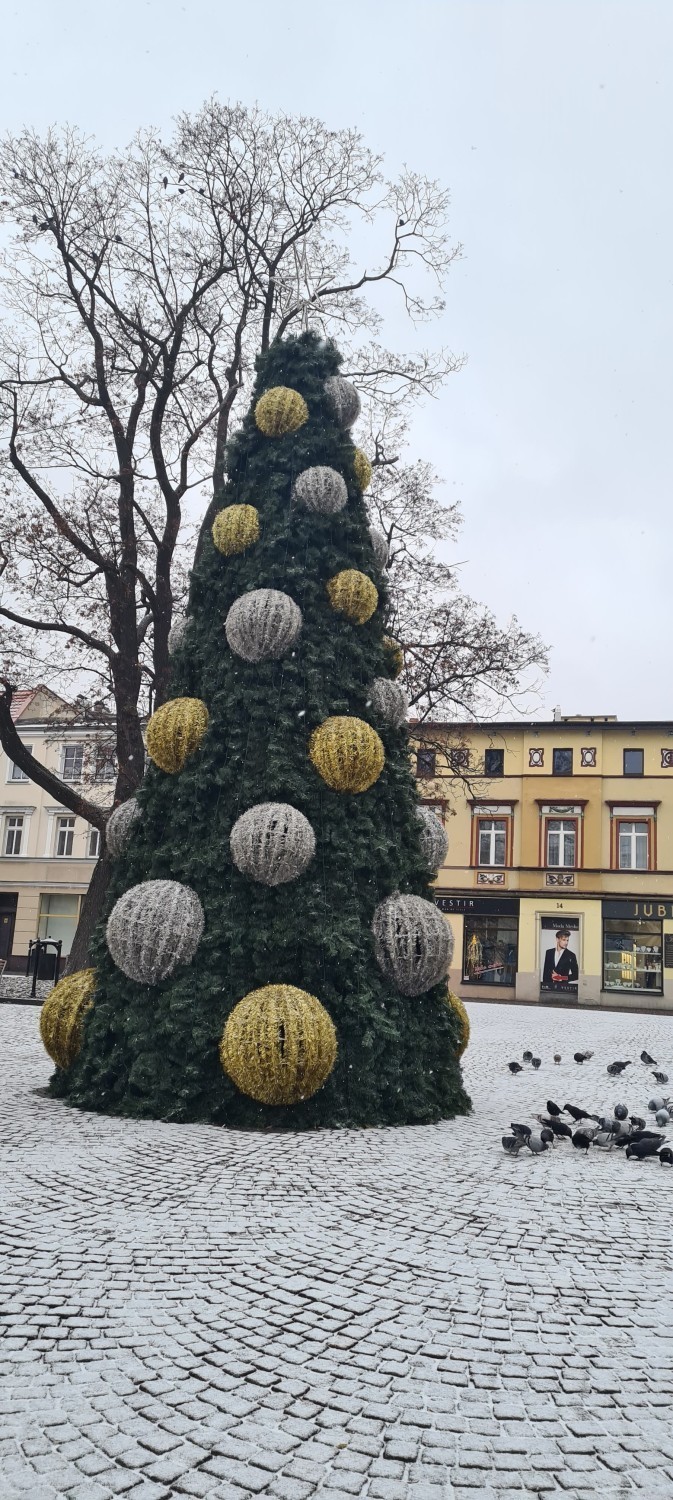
pixel 558 882
pixel 46 853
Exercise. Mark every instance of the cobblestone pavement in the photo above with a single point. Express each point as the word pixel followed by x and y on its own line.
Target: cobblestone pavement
pixel 18 987
pixel 395 1314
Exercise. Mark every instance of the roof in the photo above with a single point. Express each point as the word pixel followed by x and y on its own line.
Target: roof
pixel 20 701
pixel 37 704
pixel 559 726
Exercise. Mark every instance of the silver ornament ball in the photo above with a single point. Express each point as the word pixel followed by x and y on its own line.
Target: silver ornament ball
pixel 434 842
pixel 272 842
pixel 263 625
pixel 413 942
pixel 176 633
pixel 379 547
pixel 118 826
pixel 321 489
pixel 343 399
pixel 389 701
pixel 154 927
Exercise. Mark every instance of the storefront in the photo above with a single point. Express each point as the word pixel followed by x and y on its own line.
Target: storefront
pixel 487 947
pixel 633 945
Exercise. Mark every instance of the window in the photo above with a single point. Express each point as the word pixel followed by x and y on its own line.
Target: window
pixel 490 950
pixel 492 841
pixel 13 835
pixel 631 955
pixel 459 758
pixel 426 761
pixel 633 839
pixel 73 758
pixel 562 842
pixel 15 772
pixel 562 762
pixel 58 919
pixel 494 762
pixel 634 762
pixel 104 768
pixel 93 844
pixel 65 834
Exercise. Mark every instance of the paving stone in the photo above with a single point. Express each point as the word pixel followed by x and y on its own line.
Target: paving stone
pixel 219 1314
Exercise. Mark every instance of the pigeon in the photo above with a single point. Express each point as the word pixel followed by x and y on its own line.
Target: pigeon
pixel 651 1062
pixel 553 1109
pixel 579 1057
pixel 662 1117
pixel 547 1135
pixel 536 1144
pixel 636 1122
pixel 644 1147
pixel 615 1068
pixel 560 1129
pixel 579 1114
pixel 581 1141
pixel 537 1061
pixel 528 1057
pixel 557 1057
pixel 512 1145
pixel 621 1112
pixel 605 1139
pixel 666 1156
pixel 587 1056
pixel 661 1077
pixel 522 1131
pixel 515 1067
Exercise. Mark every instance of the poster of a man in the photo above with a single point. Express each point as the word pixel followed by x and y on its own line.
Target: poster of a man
pixel 558 952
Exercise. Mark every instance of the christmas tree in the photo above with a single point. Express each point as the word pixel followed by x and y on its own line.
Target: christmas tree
pixel 272 956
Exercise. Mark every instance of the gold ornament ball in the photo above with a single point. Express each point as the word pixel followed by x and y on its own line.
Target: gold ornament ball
pixel 394 655
pixel 62 1015
pixel 279 1045
pixel 235 528
pixel 362 469
pixel 456 1005
pixel 280 410
pixel 175 731
pixel 353 594
pixel 347 753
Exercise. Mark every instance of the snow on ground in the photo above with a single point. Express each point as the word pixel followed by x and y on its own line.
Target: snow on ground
pixel 397 1314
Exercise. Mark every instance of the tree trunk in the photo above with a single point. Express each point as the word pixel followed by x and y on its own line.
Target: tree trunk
pixel 92 906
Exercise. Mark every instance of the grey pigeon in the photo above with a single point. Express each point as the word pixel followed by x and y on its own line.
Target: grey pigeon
pixel 512 1144
pixel 536 1144
pixel 661 1077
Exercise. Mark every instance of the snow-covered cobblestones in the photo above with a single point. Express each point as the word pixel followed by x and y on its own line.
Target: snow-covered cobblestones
pixel 395 1314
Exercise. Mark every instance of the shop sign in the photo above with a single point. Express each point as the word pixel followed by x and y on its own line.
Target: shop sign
pixel 645 910
pixel 478 906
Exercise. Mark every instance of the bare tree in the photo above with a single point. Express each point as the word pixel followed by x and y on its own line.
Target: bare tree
pixel 137 290
pixel 460 665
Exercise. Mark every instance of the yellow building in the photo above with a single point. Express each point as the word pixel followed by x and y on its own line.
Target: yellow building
pixel 558 882
pixel 47 854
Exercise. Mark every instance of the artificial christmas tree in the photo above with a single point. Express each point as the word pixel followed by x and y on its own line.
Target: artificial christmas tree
pixel 272 955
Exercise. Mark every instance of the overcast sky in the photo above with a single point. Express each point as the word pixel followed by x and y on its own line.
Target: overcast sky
pixel 551 122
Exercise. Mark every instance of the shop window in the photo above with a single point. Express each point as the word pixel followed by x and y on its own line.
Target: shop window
pixel 562 762
pixel 15 772
pixel 93 843
pixel 632 955
pixel 634 762
pixel 491 841
pixel 490 950
pixel 58 919
pixel 72 762
pixel 562 843
pixel 426 762
pixel 633 840
pixel 13 835
pixel 494 762
pixel 65 835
